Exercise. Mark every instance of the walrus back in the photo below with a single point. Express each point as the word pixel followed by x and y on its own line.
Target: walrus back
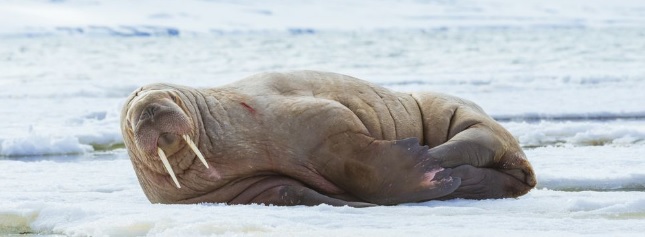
pixel 387 115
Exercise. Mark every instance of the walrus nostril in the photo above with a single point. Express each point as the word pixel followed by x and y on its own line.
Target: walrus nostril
pixel 149 112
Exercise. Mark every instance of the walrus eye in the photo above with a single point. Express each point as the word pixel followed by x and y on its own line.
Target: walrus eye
pixel 174 98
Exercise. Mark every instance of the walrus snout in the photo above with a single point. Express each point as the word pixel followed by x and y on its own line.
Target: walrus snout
pixel 158 121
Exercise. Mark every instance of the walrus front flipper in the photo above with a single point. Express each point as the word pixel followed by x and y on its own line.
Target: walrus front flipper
pixel 393 172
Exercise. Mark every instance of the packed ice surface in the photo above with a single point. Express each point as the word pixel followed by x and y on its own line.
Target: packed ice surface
pixel 594 191
pixel 565 77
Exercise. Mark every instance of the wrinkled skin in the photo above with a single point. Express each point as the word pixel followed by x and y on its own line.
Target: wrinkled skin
pixel 308 138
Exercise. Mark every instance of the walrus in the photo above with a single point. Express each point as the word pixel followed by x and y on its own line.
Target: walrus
pixel 310 138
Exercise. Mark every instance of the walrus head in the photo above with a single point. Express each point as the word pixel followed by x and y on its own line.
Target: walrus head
pixel 156 126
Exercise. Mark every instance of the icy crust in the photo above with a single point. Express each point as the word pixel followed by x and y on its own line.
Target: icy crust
pixel 36 144
pixel 55 196
pixel 540 213
pixel 581 133
pixel 597 168
pixel 174 18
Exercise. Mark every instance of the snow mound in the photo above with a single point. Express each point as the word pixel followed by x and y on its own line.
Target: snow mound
pixel 80 134
pixel 42 145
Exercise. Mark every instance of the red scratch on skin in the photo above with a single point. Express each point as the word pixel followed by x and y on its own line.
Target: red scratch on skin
pixel 248 107
pixel 428 177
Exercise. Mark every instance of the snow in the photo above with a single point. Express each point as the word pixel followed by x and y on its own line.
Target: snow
pixel 45 197
pixel 564 77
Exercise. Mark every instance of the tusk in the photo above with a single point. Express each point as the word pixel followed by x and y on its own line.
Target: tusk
pixel 192 146
pixel 164 159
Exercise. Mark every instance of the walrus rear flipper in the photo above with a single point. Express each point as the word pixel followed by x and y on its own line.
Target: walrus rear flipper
pixel 393 172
